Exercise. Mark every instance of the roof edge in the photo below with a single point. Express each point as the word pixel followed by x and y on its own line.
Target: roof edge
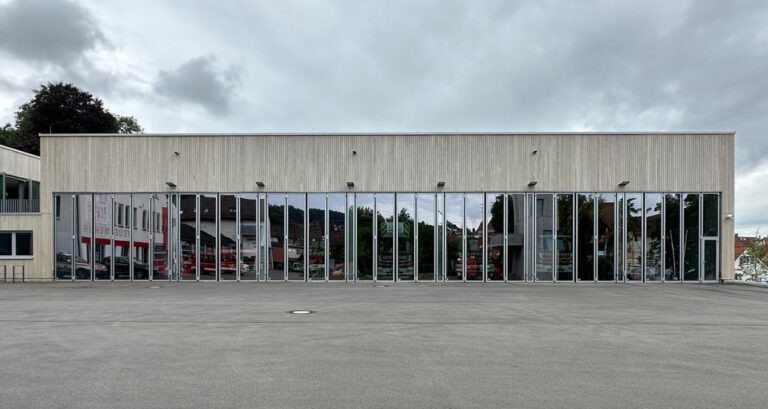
pixel 20 152
pixel 171 134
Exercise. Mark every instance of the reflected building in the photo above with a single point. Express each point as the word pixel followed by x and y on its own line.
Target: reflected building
pixel 388 207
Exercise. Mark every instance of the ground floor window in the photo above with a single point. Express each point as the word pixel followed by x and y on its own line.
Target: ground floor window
pixel 385 236
pixel 15 244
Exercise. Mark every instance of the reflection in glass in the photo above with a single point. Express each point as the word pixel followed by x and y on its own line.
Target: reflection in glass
pixel 426 236
pixel 140 235
pixel 606 243
pixel 83 236
pixel 385 218
pixel 160 237
pixel 634 238
pixel 564 242
pixel 691 237
pixel 454 224
pixel 119 261
pixel 102 232
pixel 187 233
pixel 276 242
pixel 337 256
pixel 249 237
pixel 364 236
pixel 653 237
pixel 62 231
pixel 494 226
pixel 440 248
pixel 296 210
pixel 207 256
pixel 474 215
pixel 710 259
pixel 228 237
pixel 710 218
pixel 544 235
pixel 316 237
pixel 586 237
pixel 672 237
pixel 516 237
pixel 406 236
pixel 620 209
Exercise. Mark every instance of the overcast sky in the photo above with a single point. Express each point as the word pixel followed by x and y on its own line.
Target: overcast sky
pixel 302 66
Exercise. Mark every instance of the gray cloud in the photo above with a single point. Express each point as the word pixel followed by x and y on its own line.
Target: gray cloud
pixel 201 82
pixel 56 31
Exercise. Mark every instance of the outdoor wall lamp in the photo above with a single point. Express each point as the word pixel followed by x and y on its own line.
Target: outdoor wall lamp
pixel 532 183
pixel 624 183
pixel 350 184
pixel 440 184
pixel 729 216
pixel 171 185
pixel 260 185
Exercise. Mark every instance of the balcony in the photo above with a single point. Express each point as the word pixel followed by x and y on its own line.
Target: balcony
pixel 19 205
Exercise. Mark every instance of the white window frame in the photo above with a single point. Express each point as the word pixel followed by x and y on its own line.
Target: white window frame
pixel 13 255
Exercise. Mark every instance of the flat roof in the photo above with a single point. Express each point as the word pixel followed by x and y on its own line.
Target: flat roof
pixel 18 151
pixel 192 134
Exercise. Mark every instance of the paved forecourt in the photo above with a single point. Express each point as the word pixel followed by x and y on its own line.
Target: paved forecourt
pixel 203 345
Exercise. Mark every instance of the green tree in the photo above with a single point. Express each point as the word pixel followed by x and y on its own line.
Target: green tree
pixel 64 108
pixel 6 135
pixel 128 124
pixel 754 261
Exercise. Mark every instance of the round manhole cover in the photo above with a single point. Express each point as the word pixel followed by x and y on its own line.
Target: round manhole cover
pixel 300 312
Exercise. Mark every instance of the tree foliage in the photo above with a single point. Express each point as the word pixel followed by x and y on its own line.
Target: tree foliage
pixel 754 261
pixel 62 108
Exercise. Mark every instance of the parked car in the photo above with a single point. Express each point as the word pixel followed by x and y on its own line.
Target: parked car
pixel 122 268
pixel 82 268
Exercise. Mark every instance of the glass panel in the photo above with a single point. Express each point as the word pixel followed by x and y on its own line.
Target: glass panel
pixel 228 237
pixel 710 259
pixel 62 231
pixel 426 225
pixel 634 239
pixel 586 237
pixel 264 235
pixel 516 237
pixel 249 237
pixel 174 253
pixel 405 235
pixel 276 253
pixel 187 233
pixel 385 216
pixel 296 211
pixel 564 242
pixel 620 237
pixel 160 237
pixel 494 224
pixel 102 228
pixel 474 216
pixel 140 235
pixel 83 236
pixel 316 238
pixel 544 235
pixel 440 264
pixel 208 256
pixel 364 236
pixel 337 255
pixel 653 237
pixel 6 244
pixel 672 237
pixel 24 243
pixel 454 222
pixel 691 237
pixel 710 216
pixel 606 243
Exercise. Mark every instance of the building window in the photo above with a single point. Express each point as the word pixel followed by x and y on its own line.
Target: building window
pixel 15 244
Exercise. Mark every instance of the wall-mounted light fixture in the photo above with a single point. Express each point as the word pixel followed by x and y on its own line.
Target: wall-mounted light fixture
pixel 440 184
pixel 535 151
pixel 729 216
pixel 532 183
pixel 260 185
pixel 624 183
pixel 176 153
pixel 350 184
pixel 171 185
pixel 354 152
